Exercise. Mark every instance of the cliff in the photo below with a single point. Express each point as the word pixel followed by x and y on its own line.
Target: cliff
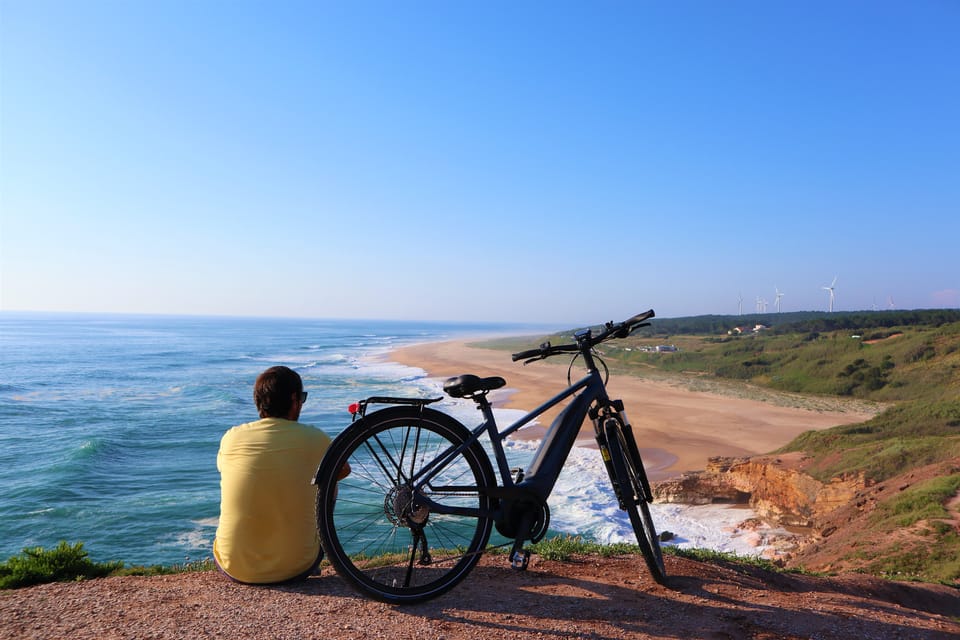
pixel 774 486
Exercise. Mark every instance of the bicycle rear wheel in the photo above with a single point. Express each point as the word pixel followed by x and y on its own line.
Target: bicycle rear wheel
pixel 376 531
pixel 633 498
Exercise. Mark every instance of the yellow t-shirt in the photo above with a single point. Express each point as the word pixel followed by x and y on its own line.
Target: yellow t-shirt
pixel 268 530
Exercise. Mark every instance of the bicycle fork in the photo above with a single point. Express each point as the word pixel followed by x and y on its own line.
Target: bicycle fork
pixel 600 416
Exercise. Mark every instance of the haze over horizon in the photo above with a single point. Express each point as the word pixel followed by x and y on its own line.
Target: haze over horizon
pixel 555 163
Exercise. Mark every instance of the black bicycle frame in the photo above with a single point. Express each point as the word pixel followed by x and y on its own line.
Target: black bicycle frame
pixel 548 460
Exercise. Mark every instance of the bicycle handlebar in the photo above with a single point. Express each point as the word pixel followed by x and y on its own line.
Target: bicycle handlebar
pixel 586 337
pixel 544 351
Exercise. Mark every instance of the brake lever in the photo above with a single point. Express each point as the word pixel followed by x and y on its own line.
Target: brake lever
pixel 639 326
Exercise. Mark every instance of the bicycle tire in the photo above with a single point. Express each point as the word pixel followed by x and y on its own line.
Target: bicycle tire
pixel 371 531
pixel 633 500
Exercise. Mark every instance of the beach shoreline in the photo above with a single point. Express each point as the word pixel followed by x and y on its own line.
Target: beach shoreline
pixel 678 429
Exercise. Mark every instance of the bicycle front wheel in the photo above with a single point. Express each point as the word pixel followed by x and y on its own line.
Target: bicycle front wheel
pixel 377 531
pixel 633 499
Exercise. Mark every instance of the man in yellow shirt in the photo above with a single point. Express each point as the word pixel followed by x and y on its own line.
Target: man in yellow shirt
pixel 267 531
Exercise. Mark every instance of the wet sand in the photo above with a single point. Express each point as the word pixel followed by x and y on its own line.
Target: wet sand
pixel 677 429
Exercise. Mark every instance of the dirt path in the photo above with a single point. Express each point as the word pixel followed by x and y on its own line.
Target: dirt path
pixel 590 597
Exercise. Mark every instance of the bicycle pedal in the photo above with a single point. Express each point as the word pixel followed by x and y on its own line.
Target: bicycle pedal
pixel 519 560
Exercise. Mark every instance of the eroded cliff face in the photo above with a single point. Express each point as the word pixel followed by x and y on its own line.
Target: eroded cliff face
pixel 775 487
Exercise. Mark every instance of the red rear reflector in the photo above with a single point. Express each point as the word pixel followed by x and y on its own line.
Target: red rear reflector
pixel 354 408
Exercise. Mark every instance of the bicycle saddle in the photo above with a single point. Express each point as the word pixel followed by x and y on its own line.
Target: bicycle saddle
pixel 468 384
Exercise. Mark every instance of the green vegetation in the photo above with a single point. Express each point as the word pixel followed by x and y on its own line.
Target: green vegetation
pixel 726 557
pixel 163 570
pixel 903 437
pixel 877 356
pixel 70 562
pixel 932 554
pixel 805 321
pixel 909 363
pixel 65 563
pixel 563 547
pixel 922 502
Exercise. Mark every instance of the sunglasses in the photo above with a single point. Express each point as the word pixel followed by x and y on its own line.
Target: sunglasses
pixel 303 397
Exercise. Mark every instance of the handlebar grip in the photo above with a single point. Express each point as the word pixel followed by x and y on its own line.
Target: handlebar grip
pixel 523 355
pixel 627 327
pixel 640 317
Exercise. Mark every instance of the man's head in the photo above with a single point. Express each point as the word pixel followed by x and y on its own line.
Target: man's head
pixel 278 393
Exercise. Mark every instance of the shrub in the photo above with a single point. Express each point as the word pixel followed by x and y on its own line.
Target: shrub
pixel 36 565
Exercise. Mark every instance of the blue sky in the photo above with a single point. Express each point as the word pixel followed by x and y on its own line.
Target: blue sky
pixel 551 162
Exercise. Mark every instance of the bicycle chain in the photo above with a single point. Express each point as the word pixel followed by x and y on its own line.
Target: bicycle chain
pixel 485 549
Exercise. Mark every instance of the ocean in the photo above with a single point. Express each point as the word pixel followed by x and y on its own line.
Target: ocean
pixel 110 424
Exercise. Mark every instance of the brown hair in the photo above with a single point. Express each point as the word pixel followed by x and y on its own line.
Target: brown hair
pixel 274 390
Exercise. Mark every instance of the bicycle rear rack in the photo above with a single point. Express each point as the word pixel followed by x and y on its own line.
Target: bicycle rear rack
pixel 360 408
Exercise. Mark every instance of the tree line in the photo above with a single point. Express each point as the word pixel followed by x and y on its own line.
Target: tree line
pixel 803 321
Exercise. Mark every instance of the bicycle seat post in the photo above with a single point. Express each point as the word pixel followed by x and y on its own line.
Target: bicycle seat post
pixel 486 409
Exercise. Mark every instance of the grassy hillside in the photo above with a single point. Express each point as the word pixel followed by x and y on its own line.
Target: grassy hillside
pixel 891 364
pixel 804 321
pixel 910 435
pixel 881 362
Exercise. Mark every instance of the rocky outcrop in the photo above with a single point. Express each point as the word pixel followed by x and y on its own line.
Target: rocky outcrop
pixel 711 486
pixel 775 487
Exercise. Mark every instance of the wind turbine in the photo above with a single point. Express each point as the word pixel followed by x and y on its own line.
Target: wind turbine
pixel 779 295
pixel 830 289
pixel 740 304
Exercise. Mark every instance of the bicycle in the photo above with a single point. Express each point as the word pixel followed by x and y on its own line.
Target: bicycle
pixel 418 509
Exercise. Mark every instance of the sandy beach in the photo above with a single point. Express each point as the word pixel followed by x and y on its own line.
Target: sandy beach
pixel 677 429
